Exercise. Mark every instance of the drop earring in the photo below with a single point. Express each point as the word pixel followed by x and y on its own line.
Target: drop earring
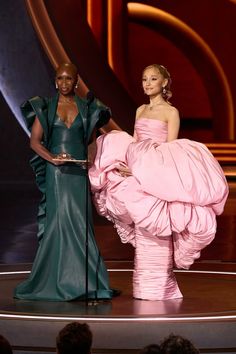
pixel 164 91
pixel 56 85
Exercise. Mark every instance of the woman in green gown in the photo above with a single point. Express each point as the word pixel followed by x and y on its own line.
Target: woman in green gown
pixel 60 128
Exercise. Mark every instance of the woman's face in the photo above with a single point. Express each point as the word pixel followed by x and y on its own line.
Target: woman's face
pixel 66 79
pixel 153 81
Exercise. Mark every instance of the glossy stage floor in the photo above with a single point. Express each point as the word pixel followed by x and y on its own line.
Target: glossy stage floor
pixel 206 314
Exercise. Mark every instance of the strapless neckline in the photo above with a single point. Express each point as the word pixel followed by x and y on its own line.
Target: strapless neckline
pixel 154 129
pixel 150 119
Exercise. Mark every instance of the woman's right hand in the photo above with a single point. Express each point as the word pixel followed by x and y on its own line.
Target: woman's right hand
pixel 57 162
pixel 58 159
pixel 124 172
pixel 36 144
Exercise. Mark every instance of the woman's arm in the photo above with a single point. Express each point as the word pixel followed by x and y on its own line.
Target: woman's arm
pixel 173 124
pixel 36 142
pixel 125 172
pixel 135 135
pixel 138 112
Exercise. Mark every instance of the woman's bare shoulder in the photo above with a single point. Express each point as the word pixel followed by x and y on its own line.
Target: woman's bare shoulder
pixel 173 115
pixel 173 111
pixel 139 110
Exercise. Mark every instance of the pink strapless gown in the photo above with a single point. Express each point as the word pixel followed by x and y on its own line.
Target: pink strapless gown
pixel 167 209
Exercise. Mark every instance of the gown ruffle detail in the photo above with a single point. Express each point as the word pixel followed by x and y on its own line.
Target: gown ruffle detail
pixel 173 196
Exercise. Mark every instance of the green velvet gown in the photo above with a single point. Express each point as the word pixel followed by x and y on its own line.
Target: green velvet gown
pixel 59 268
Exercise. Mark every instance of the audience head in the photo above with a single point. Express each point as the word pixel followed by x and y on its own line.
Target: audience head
pixel 151 349
pixel 74 338
pixel 176 344
pixel 5 347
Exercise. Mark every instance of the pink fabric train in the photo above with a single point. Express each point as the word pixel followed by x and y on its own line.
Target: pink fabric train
pixel 167 209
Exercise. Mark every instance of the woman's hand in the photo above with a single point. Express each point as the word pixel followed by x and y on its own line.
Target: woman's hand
pixel 61 158
pixel 57 162
pixel 64 156
pixel 124 172
pixel 36 144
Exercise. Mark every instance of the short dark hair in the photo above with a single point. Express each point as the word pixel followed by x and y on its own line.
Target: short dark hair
pixel 5 347
pixel 176 344
pixel 74 338
pixel 151 349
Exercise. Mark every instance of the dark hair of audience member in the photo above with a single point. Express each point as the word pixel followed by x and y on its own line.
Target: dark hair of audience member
pixel 176 344
pixel 74 338
pixel 151 349
pixel 5 347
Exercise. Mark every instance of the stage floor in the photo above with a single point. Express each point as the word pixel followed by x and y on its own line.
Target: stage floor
pixel 206 314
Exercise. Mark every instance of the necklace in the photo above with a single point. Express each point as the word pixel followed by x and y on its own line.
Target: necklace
pixel 153 105
pixel 66 100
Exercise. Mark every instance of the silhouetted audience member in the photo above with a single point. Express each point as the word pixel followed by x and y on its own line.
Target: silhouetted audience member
pixel 5 347
pixel 74 338
pixel 176 344
pixel 151 349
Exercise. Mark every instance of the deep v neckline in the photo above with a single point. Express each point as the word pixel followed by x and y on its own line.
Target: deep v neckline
pixel 68 127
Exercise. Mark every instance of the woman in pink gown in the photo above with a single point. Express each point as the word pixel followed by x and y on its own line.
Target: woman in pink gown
pixel 161 193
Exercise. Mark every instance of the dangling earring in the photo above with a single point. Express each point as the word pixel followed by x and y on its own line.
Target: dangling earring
pixel 164 90
pixel 76 86
pixel 56 85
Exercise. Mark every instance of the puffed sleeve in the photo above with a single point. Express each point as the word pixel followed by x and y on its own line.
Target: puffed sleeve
pixel 30 109
pixel 99 115
pixel 35 106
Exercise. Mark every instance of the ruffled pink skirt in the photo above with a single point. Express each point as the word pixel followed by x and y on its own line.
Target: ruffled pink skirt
pixel 167 209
